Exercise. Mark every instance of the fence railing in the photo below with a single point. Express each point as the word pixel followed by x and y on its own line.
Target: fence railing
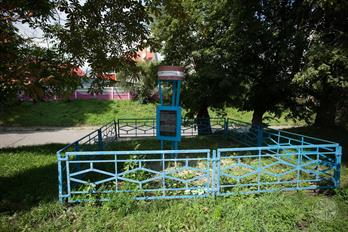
pixel 91 176
pixel 148 174
pixel 144 127
pixel 273 160
pixel 265 169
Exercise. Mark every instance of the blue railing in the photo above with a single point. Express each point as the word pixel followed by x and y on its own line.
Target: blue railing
pixel 148 174
pixel 135 127
pixel 274 160
pixel 265 169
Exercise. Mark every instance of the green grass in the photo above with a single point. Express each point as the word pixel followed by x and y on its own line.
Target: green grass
pixel 96 112
pixel 28 193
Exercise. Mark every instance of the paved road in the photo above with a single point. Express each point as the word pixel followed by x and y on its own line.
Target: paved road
pixel 14 137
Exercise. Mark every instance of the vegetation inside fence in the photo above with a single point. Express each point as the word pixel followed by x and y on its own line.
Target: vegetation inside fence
pixel 29 202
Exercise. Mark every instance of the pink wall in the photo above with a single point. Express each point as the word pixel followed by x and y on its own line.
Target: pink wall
pixel 83 95
pixel 104 96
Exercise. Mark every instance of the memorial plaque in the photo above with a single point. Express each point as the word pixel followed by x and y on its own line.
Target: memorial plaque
pixel 168 123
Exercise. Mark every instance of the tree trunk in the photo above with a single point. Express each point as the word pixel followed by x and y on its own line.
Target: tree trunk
pixel 326 113
pixel 203 120
pixel 257 117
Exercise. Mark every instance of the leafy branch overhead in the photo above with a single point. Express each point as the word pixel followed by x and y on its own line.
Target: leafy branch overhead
pixel 102 33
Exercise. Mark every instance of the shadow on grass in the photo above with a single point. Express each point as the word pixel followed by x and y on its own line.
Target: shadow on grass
pixel 338 135
pixel 28 175
pixel 58 113
pixel 30 182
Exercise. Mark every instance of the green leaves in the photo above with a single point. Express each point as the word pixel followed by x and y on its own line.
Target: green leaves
pixel 104 32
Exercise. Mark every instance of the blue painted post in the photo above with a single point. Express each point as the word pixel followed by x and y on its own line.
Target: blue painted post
pixel 259 136
pixel 100 140
pixel 77 148
pixel 68 188
pixel 60 178
pixel 209 181
pixel 174 93
pixel 259 171
pixel 163 171
pixel 160 91
pixel 178 92
pixel 218 166
pixel 213 175
pixel 298 167
pixel 116 173
pixel 337 174
pixel 317 164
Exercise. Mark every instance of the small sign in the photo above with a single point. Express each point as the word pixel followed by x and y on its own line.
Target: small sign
pixel 168 120
pixel 168 123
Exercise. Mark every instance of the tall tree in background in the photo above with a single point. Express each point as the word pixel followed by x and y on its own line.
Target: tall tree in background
pixel 267 49
pixel 322 85
pixel 241 53
pixel 187 31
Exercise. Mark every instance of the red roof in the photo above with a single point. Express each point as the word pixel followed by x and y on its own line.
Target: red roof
pixel 108 76
pixel 78 71
pixel 144 55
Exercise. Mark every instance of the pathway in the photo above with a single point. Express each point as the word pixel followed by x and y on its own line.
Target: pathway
pixel 22 136
pixel 14 137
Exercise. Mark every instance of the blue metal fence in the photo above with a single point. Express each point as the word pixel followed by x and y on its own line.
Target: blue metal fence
pixel 268 169
pixel 135 127
pixel 274 160
pixel 148 174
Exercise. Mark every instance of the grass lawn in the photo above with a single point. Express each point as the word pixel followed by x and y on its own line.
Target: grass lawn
pixel 97 112
pixel 28 193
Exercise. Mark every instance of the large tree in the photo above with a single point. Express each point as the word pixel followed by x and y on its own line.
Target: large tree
pixel 322 85
pixel 267 49
pixel 242 53
pixel 187 32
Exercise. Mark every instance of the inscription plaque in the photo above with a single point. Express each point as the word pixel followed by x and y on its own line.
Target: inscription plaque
pixel 168 121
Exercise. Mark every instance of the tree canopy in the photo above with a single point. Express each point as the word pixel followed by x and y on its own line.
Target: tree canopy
pixel 322 85
pixel 103 33
pixel 187 31
pixel 256 55
pixel 261 56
